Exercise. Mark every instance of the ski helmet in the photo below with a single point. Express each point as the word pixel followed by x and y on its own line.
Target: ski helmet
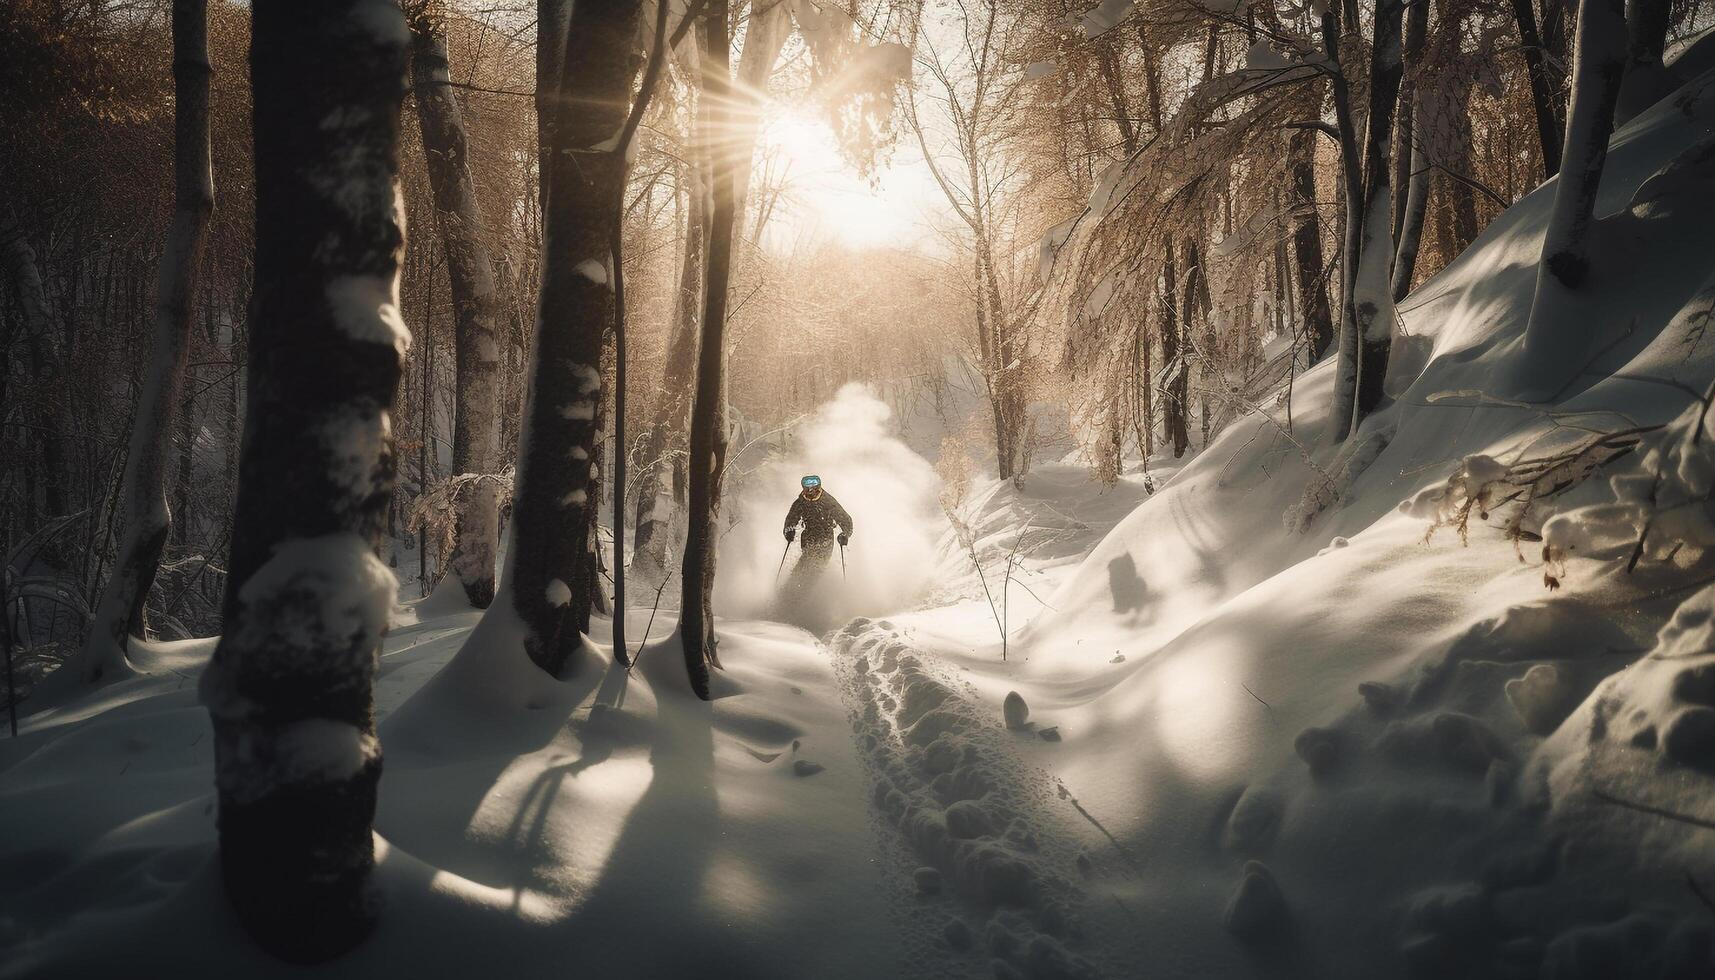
pixel 810 482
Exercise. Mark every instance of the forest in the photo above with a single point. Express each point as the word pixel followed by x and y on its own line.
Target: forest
pixel 1247 472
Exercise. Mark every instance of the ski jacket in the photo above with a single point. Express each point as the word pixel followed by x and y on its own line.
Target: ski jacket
pixel 818 516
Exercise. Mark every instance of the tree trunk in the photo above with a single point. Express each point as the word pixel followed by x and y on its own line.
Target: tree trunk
pixel 667 428
pixel 1556 341
pixel 1372 303
pixel 43 361
pixel 147 518
pixel 553 544
pixel 1411 228
pixel 708 436
pixel 1307 246
pixel 1345 396
pixel 1175 425
pixel 1646 81
pixel 476 314
pixel 289 688
pixel 1541 88
pixel 553 21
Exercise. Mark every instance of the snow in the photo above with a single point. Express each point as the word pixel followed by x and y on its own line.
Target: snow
pixel 367 308
pixel 1219 744
pixel 557 593
pixel 592 269
pixel 1106 17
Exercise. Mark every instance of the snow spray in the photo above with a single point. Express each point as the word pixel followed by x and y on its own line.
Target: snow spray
pixel 891 493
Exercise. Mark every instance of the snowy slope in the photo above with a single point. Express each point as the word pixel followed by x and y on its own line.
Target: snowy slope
pixel 1203 664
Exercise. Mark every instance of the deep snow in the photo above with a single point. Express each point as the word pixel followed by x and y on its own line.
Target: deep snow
pixel 1274 724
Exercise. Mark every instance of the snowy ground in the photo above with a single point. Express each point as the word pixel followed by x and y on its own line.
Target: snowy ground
pixel 1275 727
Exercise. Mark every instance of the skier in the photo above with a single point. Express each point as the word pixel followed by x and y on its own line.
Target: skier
pixel 820 513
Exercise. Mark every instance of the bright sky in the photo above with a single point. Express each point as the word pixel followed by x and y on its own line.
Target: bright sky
pixel 825 198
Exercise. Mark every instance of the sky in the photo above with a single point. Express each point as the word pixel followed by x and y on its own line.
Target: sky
pixel 826 199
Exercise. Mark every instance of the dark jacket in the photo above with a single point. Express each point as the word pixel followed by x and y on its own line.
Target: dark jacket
pixel 818 516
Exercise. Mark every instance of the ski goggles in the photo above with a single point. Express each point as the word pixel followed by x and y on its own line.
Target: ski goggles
pixel 810 482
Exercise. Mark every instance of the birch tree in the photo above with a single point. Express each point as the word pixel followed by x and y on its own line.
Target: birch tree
pixel 148 519
pixel 476 314
pixel 289 688
pixel 553 542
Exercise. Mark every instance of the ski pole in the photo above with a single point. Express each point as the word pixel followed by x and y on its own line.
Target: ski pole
pixel 842 563
pixel 783 553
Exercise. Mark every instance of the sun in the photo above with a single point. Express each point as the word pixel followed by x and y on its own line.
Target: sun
pixel 824 197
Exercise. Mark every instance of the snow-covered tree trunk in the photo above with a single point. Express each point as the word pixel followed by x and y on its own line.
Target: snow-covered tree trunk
pixel 1405 134
pixel 708 436
pixel 1646 80
pixel 1557 339
pixel 553 544
pixel 1541 87
pixel 1411 227
pixel 1345 397
pixel 1372 286
pixel 289 688
pixel 147 519
pixel 1307 246
pixel 476 313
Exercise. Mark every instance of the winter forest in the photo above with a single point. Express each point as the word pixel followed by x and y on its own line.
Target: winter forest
pixel 1016 489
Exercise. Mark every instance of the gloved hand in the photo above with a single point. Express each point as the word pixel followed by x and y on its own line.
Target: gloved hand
pixel 844 537
pixel 791 533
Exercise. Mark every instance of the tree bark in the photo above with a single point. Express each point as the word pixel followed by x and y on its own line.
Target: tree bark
pixel 1307 246
pixel 1175 424
pixel 1541 88
pixel 1345 397
pixel 147 520
pixel 476 313
pixel 553 571
pixel 666 438
pixel 1556 341
pixel 289 688
pixel 708 436
pixel 1372 306
pixel 1646 81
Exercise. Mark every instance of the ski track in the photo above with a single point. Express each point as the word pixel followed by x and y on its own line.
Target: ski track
pixel 1001 881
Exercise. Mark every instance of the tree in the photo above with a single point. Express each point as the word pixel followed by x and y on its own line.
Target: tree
pixel 557 495
pixel 147 517
pixel 1411 158
pixel 1646 81
pixel 1342 410
pixel 708 439
pixel 1307 246
pixel 1556 340
pixel 476 313
pixel 289 688
pixel 975 92
pixel 1541 87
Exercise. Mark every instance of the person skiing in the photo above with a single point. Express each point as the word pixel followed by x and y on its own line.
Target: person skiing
pixel 819 513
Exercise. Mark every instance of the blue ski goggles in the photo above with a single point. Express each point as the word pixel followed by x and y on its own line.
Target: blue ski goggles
pixel 811 482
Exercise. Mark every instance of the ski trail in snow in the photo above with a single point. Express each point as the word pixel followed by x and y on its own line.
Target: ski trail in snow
pixel 970 827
